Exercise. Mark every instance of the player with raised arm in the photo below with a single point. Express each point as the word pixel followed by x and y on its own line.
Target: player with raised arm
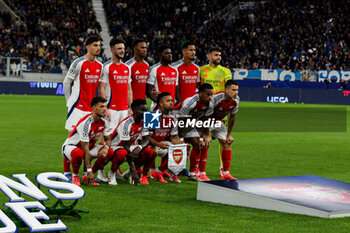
pixel 139 69
pixel 158 139
pixel 81 143
pixel 189 78
pixel 126 146
pixel 197 107
pixel 163 77
pixel 80 86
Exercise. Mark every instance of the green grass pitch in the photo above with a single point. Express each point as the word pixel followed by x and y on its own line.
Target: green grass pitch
pixel 32 130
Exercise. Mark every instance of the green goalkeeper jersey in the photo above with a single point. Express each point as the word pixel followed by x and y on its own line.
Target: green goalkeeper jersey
pixel 216 76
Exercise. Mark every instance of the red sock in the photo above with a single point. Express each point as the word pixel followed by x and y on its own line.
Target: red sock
pixel 119 158
pixel 226 159
pixel 153 164
pixel 66 165
pixel 147 160
pixel 194 159
pixel 77 157
pixel 203 161
pixel 163 164
pixel 101 162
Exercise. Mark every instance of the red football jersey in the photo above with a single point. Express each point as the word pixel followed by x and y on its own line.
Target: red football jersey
pixel 85 76
pixel 139 75
pixel 87 130
pixel 127 130
pixel 117 77
pixel 194 108
pixel 167 128
pixel 188 78
pixel 164 78
pixel 223 107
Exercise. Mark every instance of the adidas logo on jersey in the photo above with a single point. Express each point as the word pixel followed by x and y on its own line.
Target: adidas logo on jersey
pixel 195 71
pixel 184 72
pixel 115 72
pixel 125 71
pixel 162 74
pixel 172 73
pixel 137 72
pixel 97 70
pixel 146 70
pixel 87 70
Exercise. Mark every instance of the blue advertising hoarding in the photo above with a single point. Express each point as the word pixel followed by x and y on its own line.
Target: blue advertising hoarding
pixel 31 88
pixel 289 75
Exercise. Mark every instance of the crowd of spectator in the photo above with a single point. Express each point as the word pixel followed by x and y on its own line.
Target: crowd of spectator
pixel 161 22
pixel 53 32
pixel 298 35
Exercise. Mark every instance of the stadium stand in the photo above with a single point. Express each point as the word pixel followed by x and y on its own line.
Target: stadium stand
pixel 297 35
pixel 172 22
pixel 52 33
pixel 276 34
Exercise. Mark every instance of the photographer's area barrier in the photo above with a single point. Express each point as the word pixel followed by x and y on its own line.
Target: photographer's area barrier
pixel 306 195
pixel 31 88
pixel 295 95
pixel 255 94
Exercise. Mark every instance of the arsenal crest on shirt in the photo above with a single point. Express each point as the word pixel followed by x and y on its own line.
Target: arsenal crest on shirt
pixel 177 158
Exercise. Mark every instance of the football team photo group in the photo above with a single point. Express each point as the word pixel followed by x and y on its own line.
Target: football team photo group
pixel 109 127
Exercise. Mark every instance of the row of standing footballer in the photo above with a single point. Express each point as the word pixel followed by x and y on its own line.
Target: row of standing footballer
pixel 180 91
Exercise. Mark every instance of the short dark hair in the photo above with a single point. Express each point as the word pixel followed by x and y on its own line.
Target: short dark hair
pixel 204 87
pixel 92 39
pixel 136 41
pixel 186 44
pixel 97 99
pixel 115 41
pixel 231 82
pixel 161 95
pixel 161 48
pixel 214 49
pixel 137 102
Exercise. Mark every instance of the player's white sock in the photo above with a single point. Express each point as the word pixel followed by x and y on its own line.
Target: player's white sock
pixel 159 171
pixel 202 173
pixel 226 172
pixel 66 173
pixel 76 174
pixel 192 173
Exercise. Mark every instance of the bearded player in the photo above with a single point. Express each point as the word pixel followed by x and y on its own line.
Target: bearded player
pixel 81 143
pixel 225 103
pixel 216 75
pixel 163 137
